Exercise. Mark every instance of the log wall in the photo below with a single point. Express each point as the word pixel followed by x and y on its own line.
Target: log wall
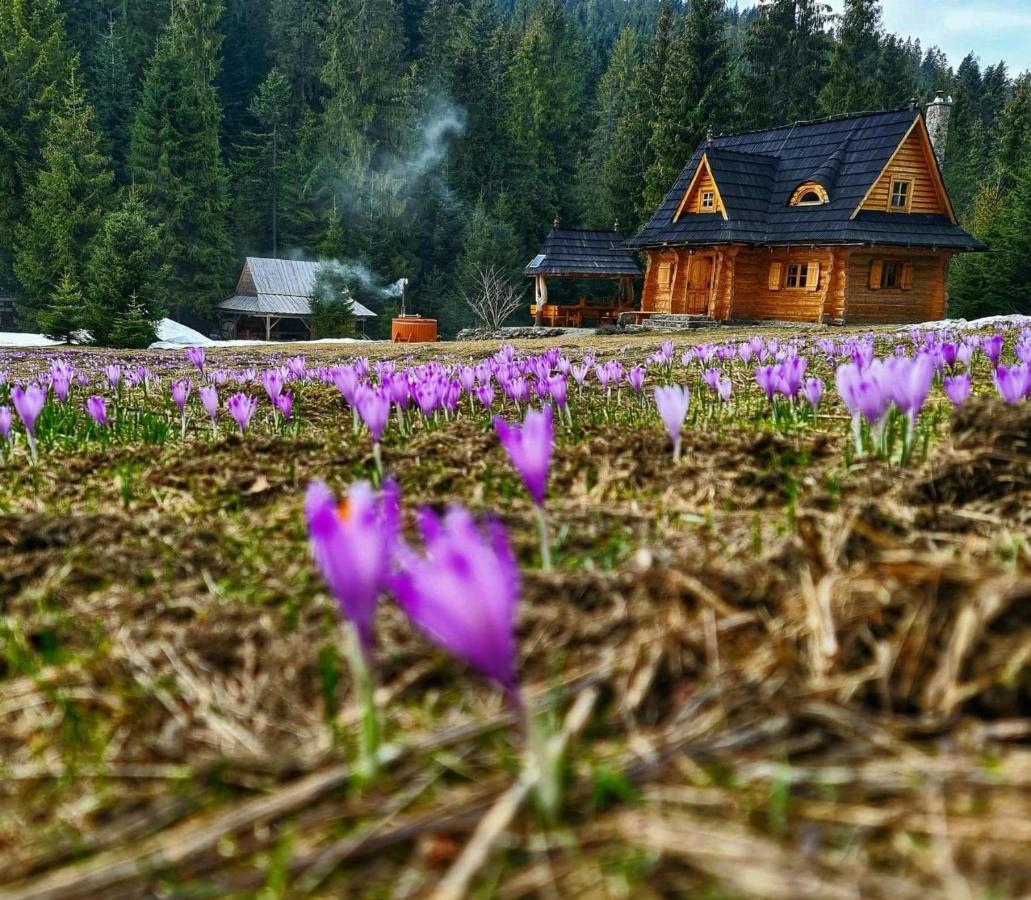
pixel 923 302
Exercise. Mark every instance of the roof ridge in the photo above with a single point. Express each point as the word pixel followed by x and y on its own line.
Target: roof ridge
pixel 819 121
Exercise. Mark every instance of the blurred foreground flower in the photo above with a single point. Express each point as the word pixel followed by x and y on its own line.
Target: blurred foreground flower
pixel 97 408
pixel 353 544
pixel 463 593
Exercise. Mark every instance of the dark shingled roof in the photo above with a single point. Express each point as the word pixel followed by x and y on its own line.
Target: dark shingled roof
pixel 583 254
pixel 758 171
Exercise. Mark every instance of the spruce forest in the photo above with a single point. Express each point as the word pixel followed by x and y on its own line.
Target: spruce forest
pixel 147 146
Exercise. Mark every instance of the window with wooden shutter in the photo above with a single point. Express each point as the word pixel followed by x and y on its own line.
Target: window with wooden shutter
pixel 876 269
pixel 812 277
pixel 906 281
pixel 776 271
pixel 664 274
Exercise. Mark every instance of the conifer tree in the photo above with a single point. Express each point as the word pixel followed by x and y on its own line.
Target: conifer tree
pixel 115 91
pixel 35 64
pixel 1012 135
pixel 853 84
pixel 65 204
pixel 126 278
pixel 488 240
pixel 964 165
pixel 176 161
pixel 261 167
pixel 545 106
pixel 296 34
pixel 695 96
pixel 65 313
pixel 614 96
pixel 630 154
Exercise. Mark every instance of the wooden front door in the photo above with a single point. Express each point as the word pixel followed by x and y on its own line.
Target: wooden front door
pixel 699 285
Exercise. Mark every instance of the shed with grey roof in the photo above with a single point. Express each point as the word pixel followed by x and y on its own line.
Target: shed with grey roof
pixel 274 295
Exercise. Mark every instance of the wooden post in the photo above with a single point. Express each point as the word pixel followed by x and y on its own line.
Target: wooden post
pixel 268 328
pixel 541 296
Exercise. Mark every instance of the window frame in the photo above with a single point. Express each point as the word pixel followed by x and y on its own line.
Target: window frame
pixel 816 201
pixel 908 195
pixel 707 195
pixel 801 275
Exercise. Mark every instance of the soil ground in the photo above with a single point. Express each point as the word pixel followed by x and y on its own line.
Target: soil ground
pixel 795 677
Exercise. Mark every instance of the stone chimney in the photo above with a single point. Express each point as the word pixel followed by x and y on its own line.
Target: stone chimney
pixel 937 116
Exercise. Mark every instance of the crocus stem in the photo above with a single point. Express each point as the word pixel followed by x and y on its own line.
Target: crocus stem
pixel 32 447
pixel 542 529
pixel 368 745
pixel 546 756
pixel 676 450
pixel 377 456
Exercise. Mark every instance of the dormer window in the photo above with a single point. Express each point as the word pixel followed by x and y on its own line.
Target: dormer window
pixel 901 193
pixel 809 194
pixel 708 201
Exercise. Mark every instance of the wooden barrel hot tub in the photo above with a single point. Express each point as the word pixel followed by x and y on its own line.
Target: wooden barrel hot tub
pixel 413 330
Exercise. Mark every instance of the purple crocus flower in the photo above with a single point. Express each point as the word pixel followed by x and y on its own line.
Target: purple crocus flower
pixel 195 357
pixel 242 407
pixel 724 387
pixel 272 381
pixel 485 394
pixel 180 393
pixel 558 390
pixel 992 347
pixel 812 390
pixel 957 388
pixel 97 408
pixel 910 383
pixel 209 400
pixel 672 403
pixel 28 403
pixel 766 378
pixel 6 420
pixel 636 378
pixel 114 375
pixel 353 543
pixel 529 448
pixel 463 593
pixel 1012 382
pixel 374 408
pixel 285 404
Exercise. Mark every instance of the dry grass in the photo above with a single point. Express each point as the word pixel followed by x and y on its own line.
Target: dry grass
pixel 780 679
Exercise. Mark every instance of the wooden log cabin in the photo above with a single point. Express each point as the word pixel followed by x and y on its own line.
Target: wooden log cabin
pixel 840 220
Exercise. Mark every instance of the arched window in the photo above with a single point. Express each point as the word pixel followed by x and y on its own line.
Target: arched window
pixel 809 194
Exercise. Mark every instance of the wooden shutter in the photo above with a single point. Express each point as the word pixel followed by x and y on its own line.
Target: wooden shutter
pixel 812 276
pixel 876 267
pixel 776 273
pixel 906 281
pixel 663 274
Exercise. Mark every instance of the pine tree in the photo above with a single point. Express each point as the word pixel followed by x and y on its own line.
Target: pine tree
pixel 261 166
pixel 296 34
pixel 613 97
pixel 126 278
pixel 35 64
pixel 65 313
pixel 964 163
pixel 176 159
pixel 853 84
pixel 630 154
pixel 488 240
pixel 115 91
pixel 545 106
pixel 897 73
pixel 694 98
pixel 364 75
pixel 331 312
pixel 1013 135
pixel 65 204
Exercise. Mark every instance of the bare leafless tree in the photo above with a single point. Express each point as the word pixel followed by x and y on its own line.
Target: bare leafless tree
pixel 494 299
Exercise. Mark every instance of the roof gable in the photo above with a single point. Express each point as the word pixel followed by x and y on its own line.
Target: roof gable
pixel 912 161
pixel 757 173
pixel 702 182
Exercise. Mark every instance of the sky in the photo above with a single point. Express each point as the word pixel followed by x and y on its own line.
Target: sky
pixel 992 29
